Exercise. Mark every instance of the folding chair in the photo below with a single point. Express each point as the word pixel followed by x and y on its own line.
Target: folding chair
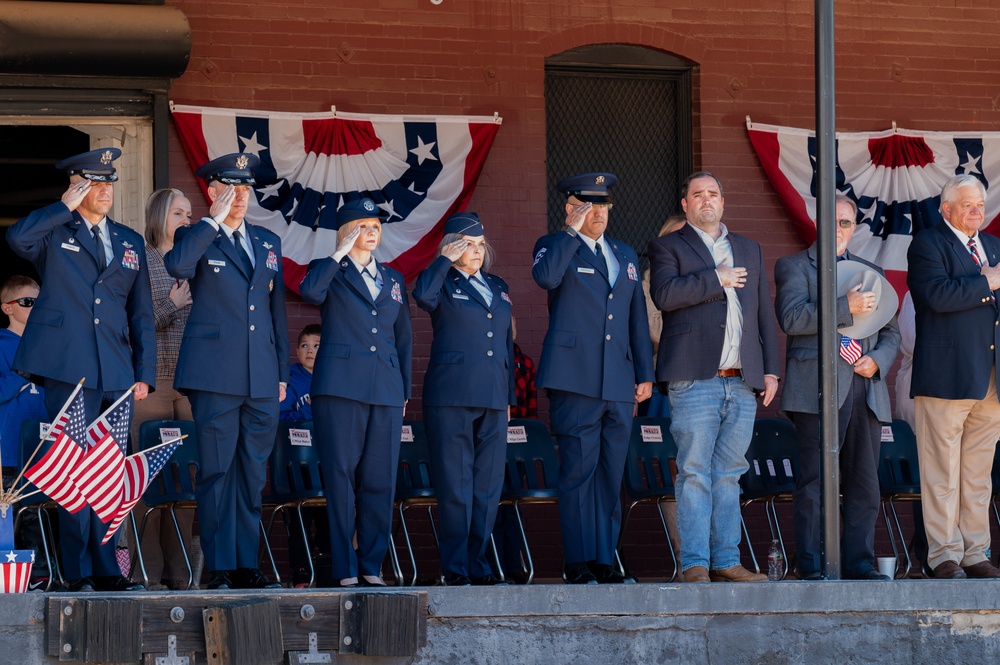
pixel 532 473
pixel 774 464
pixel 174 487
pixel 42 505
pixel 650 470
pixel 413 488
pixel 899 480
pixel 295 479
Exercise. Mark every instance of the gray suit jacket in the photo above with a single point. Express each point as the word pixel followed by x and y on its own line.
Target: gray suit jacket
pixel 795 303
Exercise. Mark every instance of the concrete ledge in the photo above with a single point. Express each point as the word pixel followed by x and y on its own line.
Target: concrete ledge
pixel 927 621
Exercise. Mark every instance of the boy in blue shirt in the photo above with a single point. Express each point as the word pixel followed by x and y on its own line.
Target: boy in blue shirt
pixel 297 405
pixel 20 400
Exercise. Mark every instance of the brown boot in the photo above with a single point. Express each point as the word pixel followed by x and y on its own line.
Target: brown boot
pixel 696 574
pixel 737 573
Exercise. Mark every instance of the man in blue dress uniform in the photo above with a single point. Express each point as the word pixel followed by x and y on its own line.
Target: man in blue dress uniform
pixel 233 364
pixel 597 365
pixel 93 319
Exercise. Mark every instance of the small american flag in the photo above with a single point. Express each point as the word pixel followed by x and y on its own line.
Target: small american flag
pixel 140 469
pixel 850 349
pixel 51 474
pixel 99 473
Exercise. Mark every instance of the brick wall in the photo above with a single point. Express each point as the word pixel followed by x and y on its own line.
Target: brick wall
pixel 926 64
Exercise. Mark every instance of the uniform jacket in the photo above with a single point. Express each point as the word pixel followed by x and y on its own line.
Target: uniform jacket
pixel 86 323
pixel 472 356
pixel 367 348
pixel 236 338
pixel 686 288
pixel 796 283
pixel 958 336
pixel 296 405
pixel 597 343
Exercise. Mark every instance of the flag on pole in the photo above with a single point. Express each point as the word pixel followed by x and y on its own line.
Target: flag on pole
pixel 418 169
pixel 51 474
pixel 895 176
pixel 140 469
pixel 99 474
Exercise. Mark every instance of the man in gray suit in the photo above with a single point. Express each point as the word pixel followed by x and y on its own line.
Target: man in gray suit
pixel 862 394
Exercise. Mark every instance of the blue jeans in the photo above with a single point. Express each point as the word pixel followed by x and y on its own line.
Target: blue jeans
pixel 712 423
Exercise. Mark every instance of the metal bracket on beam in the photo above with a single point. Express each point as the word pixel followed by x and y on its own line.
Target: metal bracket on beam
pixel 314 655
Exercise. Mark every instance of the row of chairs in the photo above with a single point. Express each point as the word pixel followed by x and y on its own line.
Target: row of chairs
pixel 295 482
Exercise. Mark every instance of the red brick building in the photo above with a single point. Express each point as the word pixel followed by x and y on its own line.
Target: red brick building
pixel 925 64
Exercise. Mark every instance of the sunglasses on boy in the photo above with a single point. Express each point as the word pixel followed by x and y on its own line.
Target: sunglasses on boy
pixel 27 301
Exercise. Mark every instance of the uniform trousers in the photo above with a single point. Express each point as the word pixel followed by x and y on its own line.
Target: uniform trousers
pixel 467 453
pixel 80 534
pixel 358 446
pixel 956 442
pixel 593 436
pixel 235 437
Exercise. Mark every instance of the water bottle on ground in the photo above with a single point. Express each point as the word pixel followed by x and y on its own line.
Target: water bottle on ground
pixel 775 562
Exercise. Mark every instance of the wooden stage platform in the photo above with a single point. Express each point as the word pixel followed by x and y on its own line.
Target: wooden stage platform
pixel 904 622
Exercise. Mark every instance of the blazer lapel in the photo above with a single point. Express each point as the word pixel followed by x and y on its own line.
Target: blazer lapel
pixel 225 244
pixel 589 257
pixel 463 285
pixel 84 237
pixel 357 282
pixel 694 241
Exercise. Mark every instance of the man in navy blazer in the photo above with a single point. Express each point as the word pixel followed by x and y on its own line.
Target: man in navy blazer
pixel 596 364
pixel 93 319
pixel 953 275
pixel 233 364
pixel 863 400
pixel 718 350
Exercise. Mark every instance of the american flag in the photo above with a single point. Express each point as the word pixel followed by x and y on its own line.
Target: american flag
pixel 51 474
pixel 99 474
pixel 140 469
pixel 850 349
pixel 418 169
pixel 895 176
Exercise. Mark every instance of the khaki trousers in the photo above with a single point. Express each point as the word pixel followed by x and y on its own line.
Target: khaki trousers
pixel 956 441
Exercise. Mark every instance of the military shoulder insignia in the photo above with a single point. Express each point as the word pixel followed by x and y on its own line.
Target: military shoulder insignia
pixel 538 256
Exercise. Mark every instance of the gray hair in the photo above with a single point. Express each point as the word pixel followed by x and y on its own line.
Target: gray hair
pixel 844 198
pixel 488 253
pixel 956 183
pixel 157 207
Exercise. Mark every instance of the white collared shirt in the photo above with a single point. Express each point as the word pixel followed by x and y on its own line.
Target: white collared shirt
pixel 371 275
pixel 244 241
pixel 609 256
pixel 722 253
pixel 964 239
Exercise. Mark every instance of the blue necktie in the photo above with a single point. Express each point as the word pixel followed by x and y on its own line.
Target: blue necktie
pixel 241 253
pixel 602 263
pixel 102 258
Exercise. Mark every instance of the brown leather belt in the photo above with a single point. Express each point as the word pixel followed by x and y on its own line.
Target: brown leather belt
pixel 729 372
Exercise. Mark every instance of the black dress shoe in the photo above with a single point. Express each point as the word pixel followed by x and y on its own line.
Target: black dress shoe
pixel 812 577
pixel 252 578
pixel 116 583
pixel 579 573
pixel 82 585
pixel 488 580
pixel 219 579
pixel 457 580
pixel 605 574
pixel 869 574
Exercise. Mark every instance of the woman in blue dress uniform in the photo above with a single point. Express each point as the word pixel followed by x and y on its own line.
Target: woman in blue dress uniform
pixel 468 391
pixel 360 386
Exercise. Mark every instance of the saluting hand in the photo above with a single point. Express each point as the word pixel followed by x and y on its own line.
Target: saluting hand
pixel 453 251
pixel 74 196
pixel 345 246
pixel 575 219
pixel 222 204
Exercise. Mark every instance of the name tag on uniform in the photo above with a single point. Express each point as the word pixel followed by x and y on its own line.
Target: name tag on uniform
pixel 72 248
pixel 457 296
pixel 586 271
pixel 212 262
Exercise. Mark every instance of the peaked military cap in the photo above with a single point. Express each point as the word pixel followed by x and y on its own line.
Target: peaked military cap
pixel 94 165
pixel 589 187
pixel 232 169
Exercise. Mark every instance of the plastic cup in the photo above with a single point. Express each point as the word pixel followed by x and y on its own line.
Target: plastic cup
pixel 887 566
